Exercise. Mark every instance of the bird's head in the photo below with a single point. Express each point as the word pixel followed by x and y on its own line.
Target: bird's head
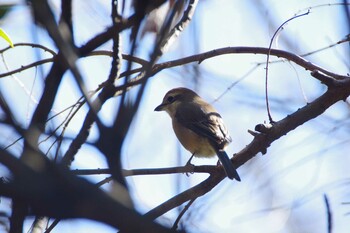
pixel 174 98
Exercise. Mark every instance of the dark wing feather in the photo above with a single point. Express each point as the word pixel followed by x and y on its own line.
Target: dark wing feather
pixel 211 126
pixel 206 124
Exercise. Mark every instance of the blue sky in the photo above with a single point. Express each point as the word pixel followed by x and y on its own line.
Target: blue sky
pixel 281 191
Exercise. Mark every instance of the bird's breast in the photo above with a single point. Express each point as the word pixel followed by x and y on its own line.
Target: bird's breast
pixel 193 142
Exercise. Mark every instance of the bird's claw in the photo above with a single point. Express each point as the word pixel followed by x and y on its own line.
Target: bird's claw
pixel 189 166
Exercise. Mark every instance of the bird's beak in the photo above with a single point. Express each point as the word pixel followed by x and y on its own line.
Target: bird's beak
pixel 159 107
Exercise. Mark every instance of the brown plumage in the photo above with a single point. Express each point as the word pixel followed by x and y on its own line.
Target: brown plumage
pixel 198 126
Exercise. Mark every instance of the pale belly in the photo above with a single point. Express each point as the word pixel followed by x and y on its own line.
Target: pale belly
pixel 194 143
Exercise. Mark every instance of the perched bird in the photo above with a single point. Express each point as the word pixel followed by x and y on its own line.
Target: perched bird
pixel 198 126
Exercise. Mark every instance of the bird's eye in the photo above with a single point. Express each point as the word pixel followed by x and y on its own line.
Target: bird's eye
pixel 170 99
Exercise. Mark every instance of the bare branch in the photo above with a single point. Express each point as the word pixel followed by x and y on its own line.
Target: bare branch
pixel 329 214
pixel 235 50
pixel 246 50
pixel 26 67
pixel 268 61
pixel 78 198
pixel 46 49
pixel 153 171
pixel 176 223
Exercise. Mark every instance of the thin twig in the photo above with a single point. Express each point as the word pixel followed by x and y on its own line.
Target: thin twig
pixel 26 67
pixel 176 223
pixel 328 213
pixel 267 63
pixel 345 40
pixel 236 82
pixel 124 56
pixel 46 49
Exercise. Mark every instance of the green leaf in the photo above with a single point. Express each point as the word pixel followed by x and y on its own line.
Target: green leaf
pixel 6 37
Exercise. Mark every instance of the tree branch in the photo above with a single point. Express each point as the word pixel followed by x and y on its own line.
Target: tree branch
pixel 67 196
pixel 245 50
pixel 260 143
pixel 153 171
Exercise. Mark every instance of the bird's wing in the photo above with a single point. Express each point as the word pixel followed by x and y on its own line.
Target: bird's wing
pixel 207 124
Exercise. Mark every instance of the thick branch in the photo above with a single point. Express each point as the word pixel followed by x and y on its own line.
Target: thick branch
pixel 260 143
pixel 310 111
pixel 67 196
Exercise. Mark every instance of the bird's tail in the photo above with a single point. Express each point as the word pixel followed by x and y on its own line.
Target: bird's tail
pixel 228 166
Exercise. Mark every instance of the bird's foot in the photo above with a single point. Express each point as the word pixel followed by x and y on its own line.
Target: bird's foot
pixel 189 167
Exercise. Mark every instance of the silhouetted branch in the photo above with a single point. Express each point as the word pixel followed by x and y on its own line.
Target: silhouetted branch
pixel 328 213
pixel 26 67
pixel 153 171
pixel 176 223
pixel 245 50
pixel 77 197
pixel 260 143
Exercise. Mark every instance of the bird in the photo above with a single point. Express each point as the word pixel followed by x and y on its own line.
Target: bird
pixel 198 126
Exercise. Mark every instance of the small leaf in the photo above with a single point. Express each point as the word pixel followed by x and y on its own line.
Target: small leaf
pixel 6 37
